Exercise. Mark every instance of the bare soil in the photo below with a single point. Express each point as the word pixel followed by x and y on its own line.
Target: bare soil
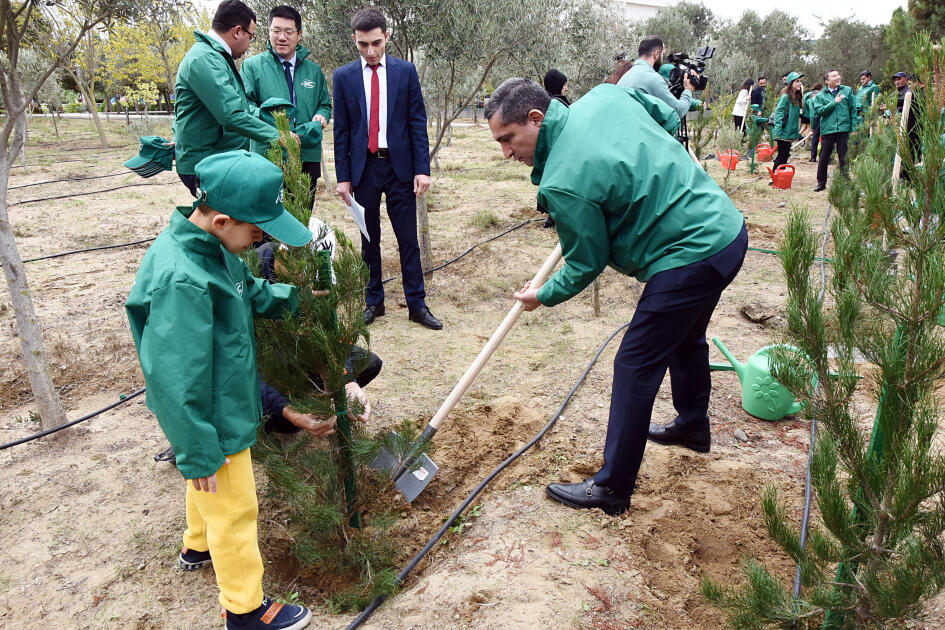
pixel 91 524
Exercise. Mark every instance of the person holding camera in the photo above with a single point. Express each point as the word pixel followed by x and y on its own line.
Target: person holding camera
pixel 624 193
pixel 643 75
pixel 786 118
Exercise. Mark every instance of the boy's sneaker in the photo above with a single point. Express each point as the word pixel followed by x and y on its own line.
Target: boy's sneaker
pixel 190 560
pixel 270 616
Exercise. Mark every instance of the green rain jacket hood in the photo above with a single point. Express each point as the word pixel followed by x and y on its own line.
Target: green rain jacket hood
pixel 191 313
pixel 264 77
pixel 623 192
pixel 211 113
pixel 835 117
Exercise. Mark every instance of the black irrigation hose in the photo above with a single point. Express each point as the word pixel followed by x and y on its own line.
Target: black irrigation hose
pixel 90 249
pixel 451 261
pixel 367 612
pixel 68 179
pixel 59 162
pixel 122 399
pixel 91 192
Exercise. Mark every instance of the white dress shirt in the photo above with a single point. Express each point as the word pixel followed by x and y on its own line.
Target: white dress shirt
pixel 366 73
pixel 212 34
pixel 292 63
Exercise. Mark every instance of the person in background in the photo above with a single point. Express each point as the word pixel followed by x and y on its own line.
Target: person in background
pixel 619 71
pixel 556 85
pixel 786 118
pixel 758 94
pixel 741 104
pixel 644 76
pixel 912 124
pixel 807 111
pixel 866 95
pixel 837 110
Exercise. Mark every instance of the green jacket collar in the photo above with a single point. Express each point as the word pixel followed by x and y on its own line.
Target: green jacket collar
pixel 214 44
pixel 869 86
pixel 551 127
pixel 191 236
pixel 301 52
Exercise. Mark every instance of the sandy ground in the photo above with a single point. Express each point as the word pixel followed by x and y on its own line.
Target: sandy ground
pixel 91 525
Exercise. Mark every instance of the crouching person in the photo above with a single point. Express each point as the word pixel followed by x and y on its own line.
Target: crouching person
pixel 191 312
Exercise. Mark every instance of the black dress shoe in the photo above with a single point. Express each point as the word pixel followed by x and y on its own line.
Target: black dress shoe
pixel 424 317
pixel 820 187
pixel 372 312
pixel 673 435
pixel 588 495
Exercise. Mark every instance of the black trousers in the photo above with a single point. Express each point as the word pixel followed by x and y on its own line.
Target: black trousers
pixel 814 137
pixel 190 181
pixel 784 153
pixel 738 121
pixel 379 178
pixel 314 170
pixel 829 141
pixel 667 331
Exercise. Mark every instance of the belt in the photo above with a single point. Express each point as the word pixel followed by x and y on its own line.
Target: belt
pixel 381 153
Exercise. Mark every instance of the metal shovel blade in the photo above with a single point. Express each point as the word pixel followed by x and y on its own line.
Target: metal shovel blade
pixel 386 460
pixel 416 478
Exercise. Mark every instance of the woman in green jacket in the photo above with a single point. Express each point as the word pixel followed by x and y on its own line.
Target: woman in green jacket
pixel 787 118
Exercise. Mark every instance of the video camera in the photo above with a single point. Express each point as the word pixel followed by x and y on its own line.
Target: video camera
pixel 685 66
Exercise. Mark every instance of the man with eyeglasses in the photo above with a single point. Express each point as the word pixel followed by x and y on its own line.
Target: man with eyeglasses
pixel 284 71
pixel 211 112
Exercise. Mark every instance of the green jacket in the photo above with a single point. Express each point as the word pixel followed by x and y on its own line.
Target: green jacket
pixel 211 113
pixel 622 192
pixel 865 96
pixel 191 313
pixel 807 106
pixel 264 78
pixel 786 120
pixel 834 117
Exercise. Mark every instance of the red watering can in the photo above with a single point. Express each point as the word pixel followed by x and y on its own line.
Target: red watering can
pixel 763 152
pixel 729 159
pixel 782 176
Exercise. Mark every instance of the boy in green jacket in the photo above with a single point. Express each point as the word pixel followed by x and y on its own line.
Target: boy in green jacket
pixel 191 312
pixel 285 71
pixel 624 193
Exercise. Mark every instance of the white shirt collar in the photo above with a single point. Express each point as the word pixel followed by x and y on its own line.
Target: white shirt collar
pixel 382 63
pixel 291 61
pixel 212 34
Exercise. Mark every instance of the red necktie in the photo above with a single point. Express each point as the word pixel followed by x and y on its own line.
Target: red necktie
pixel 375 123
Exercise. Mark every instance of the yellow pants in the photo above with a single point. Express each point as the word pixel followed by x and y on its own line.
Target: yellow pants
pixel 225 524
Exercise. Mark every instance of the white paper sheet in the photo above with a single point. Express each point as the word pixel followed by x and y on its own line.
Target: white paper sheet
pixel 356 211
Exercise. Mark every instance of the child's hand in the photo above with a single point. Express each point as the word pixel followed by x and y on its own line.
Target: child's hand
pixel 316 425
pixel 208 484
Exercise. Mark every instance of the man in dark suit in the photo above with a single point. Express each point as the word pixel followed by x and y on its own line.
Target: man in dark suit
pixel 381 146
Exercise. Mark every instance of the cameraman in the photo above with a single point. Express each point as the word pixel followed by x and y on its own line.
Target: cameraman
pixel 643 76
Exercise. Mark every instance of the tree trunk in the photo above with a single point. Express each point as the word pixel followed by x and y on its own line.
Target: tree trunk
pixel 423 230
pixel 55 123
pixel 51 413
pixel 92 108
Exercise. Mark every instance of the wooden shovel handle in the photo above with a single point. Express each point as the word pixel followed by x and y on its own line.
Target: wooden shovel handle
pixel 897 166
pixel 473 370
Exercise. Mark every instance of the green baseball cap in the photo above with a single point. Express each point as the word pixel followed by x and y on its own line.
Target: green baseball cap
pixel 155 155
pixel 793 77
pixel 248 187
pixel 665 69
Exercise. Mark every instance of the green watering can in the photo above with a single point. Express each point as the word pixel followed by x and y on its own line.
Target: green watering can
pixel 762 395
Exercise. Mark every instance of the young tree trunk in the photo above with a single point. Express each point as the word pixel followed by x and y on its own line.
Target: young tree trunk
pixel 92 108
pixel 423 231
pixel 51 413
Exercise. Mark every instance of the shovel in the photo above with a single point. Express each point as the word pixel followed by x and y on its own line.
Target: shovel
pixel 412 473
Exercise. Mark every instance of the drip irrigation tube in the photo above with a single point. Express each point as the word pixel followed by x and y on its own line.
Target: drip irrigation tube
pixel 367 612
pixel 91 192
pixel 813 424
pixel 68 179
pixel 488 240
pixel 50 164
pixel 122 399
pixel 90 249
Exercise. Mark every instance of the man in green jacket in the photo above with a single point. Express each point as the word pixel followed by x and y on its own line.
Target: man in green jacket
pixel 211 113
pixel 284 71
pixel 624 193
pixel 865 95
pixel 643 76
pixel 836 106
pixel 191 312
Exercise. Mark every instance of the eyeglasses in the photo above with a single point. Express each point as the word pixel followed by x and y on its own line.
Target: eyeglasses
pixel 252 36
pixel 288 32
